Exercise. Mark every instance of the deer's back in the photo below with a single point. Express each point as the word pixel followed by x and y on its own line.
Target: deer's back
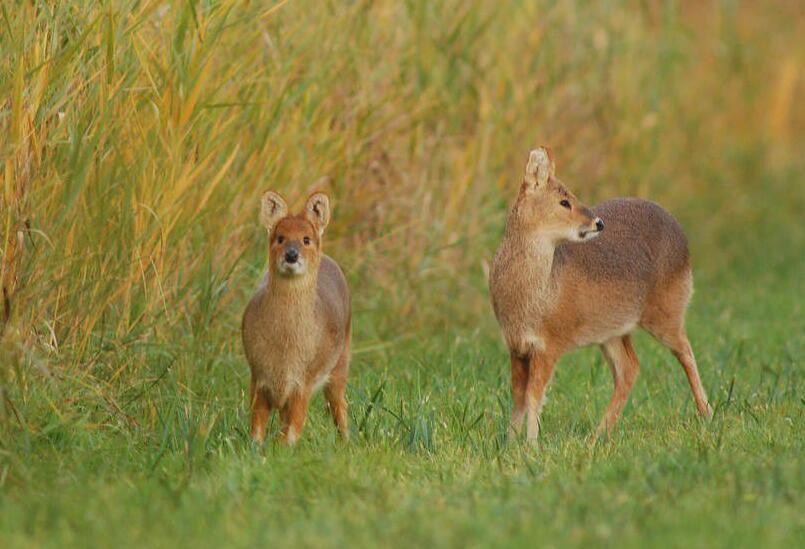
pixel 641 242
pixel 606 284
pixel 333 296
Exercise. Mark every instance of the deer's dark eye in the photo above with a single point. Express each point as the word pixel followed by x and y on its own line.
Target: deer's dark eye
pixel 280 239
pixel 306 240
pixel 565 204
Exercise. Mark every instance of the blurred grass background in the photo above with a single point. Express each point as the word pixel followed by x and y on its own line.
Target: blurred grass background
pixel 137 137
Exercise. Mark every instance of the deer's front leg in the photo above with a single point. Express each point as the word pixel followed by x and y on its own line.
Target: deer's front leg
pixel 540 371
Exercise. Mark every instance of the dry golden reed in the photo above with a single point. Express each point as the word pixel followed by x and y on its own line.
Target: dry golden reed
pixel 137 137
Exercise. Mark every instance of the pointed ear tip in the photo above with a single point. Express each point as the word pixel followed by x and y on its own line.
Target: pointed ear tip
pixel 536 158
pixel 319 196
pixel 541 153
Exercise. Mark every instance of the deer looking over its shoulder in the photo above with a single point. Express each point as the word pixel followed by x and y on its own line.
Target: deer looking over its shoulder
pixel 566 276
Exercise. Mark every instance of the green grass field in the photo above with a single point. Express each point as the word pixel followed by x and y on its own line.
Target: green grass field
pixel 135 140
pixel 429 461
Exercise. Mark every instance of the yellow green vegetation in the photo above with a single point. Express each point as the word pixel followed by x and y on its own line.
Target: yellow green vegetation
pixel 135 140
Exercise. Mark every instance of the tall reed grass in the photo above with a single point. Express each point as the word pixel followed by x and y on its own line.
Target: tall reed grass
pixel 137 137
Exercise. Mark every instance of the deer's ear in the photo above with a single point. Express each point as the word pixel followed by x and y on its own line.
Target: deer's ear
pixel 272 209
pixel 317 210
pixel 540 167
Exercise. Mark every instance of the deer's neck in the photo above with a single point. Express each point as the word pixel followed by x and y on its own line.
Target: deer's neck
pixel 291 298
pixel 535 258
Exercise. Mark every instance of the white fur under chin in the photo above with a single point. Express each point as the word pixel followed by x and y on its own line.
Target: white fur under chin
pixel 583 235
pixel 292 269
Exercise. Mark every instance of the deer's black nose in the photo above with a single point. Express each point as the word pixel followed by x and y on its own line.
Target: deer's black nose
pixel 291 255
pixel 599 224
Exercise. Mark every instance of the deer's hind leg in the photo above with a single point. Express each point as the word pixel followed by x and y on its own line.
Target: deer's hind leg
pixel 335 393
pixel 684 354
pixel 664 318
pixel 625 367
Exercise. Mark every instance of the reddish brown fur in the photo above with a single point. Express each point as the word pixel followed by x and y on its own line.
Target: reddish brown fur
pixel 296 328
pixel 556 287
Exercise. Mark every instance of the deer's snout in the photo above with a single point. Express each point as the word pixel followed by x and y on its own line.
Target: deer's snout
pixel 591 227
pixel 292 254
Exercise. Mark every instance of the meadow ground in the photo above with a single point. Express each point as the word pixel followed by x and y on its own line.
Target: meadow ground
pixel 136 137
pixel 429 462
